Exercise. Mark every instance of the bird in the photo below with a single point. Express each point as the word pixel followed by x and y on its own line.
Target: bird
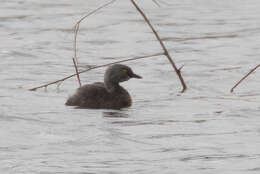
pixel 107 95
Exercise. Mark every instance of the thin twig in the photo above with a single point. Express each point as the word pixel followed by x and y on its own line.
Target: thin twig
pixel 250 72
pixel 166 53
pixel 77 71
pixel 156 3
pixel 95 67
pixel 180 68
pixel 76 26
pixel 76 29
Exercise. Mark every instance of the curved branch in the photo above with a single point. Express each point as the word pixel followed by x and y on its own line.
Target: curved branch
pixel 76 29
pixel 76 26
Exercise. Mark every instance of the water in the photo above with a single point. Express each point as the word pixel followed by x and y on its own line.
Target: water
pixel 205 130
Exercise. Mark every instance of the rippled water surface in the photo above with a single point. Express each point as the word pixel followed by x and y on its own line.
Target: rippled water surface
pixel 205 130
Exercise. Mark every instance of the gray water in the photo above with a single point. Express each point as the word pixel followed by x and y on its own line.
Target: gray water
pixel 205 130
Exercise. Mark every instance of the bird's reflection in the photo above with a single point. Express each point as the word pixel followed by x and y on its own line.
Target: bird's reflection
pixel 115 115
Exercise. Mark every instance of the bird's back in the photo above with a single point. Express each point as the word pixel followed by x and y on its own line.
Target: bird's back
pixel 95 96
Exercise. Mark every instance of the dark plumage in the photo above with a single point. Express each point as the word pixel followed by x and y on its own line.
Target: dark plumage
pixel 107 95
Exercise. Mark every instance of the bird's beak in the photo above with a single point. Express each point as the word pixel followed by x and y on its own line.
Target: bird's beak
pixel 135 76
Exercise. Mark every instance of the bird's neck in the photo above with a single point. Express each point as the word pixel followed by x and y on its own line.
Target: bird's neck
pixel 111 86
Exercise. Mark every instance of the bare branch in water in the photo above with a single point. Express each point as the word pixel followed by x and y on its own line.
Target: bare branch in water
pixel 166 53
pixel 250 72
pixel 76 29
pixel 95 67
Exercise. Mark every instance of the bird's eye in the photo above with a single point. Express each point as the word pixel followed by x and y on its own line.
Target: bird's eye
pixel 124 70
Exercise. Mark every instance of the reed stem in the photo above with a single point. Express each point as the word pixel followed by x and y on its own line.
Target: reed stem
pixel 76 30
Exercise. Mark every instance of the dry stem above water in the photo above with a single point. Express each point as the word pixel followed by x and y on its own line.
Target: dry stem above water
pixel 166 53
pixel 76 30
pixel 95 67
pixel 250 72
pixel 75 62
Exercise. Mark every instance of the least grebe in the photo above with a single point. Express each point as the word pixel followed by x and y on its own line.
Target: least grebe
pixel 107 95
